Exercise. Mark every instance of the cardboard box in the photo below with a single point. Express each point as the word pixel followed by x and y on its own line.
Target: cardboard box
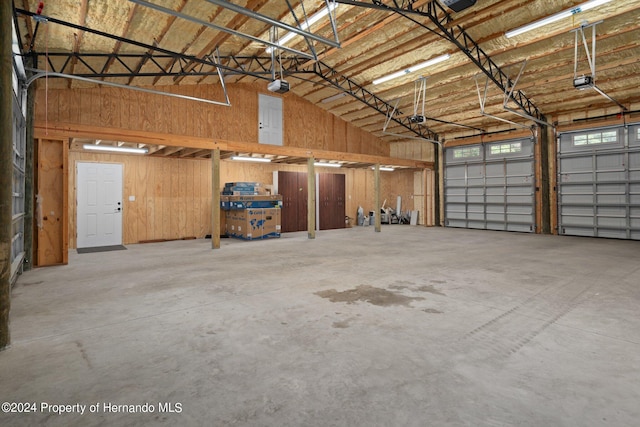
pixel 252 224
pixel 246 202
pixel 242 184
pixel 225 204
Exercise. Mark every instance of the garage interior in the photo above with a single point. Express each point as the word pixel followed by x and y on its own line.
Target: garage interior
pixel 507 132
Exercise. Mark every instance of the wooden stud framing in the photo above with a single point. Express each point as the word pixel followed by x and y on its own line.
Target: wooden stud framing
pixel 311 198
pixel 376 207
pixel 215 199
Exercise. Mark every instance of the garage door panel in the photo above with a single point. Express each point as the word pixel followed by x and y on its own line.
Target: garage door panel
pixel 572 165
pixel 501 176
pixel 456 172
pixel 607 165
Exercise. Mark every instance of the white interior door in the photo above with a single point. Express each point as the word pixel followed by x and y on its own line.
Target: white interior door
pixel 270 117
pixel 99 204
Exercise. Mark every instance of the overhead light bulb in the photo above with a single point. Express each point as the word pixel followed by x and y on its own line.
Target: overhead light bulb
pixel 555 17
pixel 108 148
pixel 412 69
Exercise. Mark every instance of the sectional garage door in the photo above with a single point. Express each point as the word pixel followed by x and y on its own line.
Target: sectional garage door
pixel 491 186
pixel 599 183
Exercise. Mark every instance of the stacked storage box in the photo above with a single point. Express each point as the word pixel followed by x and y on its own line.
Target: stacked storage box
pixel 250 216
pixel 244 189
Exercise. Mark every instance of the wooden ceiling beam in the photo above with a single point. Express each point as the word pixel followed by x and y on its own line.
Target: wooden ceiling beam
pixel 179 142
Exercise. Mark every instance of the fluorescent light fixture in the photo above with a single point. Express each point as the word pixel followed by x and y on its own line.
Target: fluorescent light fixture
pixel 558 16
pixel 412 69
pixel 334 97
pixel 385 169
pixel 305 25
pixel 115 149
pixel 251 159
pixel 327 165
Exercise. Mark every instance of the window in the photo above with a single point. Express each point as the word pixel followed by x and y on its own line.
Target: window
pixel 638 135
pixel 605 137
pixel 509 147
pixel 464 152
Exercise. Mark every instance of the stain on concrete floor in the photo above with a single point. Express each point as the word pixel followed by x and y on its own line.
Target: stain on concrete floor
pixel 424 288
pixel 370 294
pixel 341 325
pixel 432 311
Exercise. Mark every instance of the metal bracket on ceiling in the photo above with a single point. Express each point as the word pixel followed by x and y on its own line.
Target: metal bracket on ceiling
pixel 482 98
pixel 588 82
pixel 389 116
pixel 419 95
pixel 510 96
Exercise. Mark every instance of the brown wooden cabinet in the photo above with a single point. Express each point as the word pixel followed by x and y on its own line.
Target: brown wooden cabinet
pixel 292 186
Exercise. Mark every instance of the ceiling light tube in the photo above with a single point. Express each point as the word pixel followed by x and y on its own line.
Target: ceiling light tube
pixel 130 150
pixel 412 69
pixel 556 17
pixel 250 159
pixel 327 165
pixel 334 97
pixel 305 25
pixel 385 169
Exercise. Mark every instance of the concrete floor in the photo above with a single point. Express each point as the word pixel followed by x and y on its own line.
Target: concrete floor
pixel 407 327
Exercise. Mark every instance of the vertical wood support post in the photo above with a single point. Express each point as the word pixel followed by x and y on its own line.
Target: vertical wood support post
pixel 215 199
pixel 545 187
pixel 6 168
pixel 376 210
pixel 311 198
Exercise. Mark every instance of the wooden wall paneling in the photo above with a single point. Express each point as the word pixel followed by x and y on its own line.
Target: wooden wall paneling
pixel 188 121
pixel 142 215
pixel 334 139
pixel 164 118
pixel 126 109
pixel 213 127
pixel 96 103
pixel 52 178
pixel 64 105
pixel 180 194
pixel 195 204
pixel 191 199
pixel 73 103
pixel 168 208
pixel 129 222
pixel 85 107
pixel 174 199
pixel 199 112
pixel 108 110
pixel 71 200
